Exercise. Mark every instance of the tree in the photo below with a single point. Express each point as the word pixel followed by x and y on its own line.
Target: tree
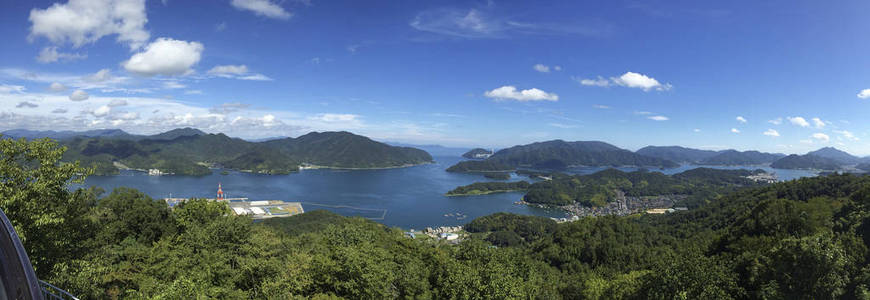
pixel 50 220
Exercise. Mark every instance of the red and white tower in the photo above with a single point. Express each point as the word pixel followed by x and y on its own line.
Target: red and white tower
pixel 220 194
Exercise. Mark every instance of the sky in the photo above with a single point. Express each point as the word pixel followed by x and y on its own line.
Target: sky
pixel 775 76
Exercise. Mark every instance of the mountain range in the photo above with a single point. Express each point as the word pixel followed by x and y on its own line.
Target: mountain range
pixel 189 151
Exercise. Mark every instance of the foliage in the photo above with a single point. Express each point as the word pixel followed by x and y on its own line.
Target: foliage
pixel 734 157
pixel 479 188
pixel 479 166
pixel 471 154
pixel 808 161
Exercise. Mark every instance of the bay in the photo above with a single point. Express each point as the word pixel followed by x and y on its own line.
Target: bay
pixel 410 197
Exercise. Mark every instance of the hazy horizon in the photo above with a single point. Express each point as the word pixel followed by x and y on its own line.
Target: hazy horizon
pixel 781 77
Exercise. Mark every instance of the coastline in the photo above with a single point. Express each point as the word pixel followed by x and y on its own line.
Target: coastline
pixel 484 193
pixel 315 167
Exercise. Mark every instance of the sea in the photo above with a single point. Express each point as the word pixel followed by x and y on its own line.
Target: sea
pixel 409 198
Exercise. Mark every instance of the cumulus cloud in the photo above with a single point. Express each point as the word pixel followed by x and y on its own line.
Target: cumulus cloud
pixel 734 130
pixel 101 111
pixel 79 22
pixel 262 8
pixel 864 94
pixel 541 68
pixel 165 56
pixel 79 95
pixel 818 123
pixel 741 119
pixel 59 111
pixel 510 92
pixel 821 137
pixel 630 80
pixel 599 106
pixel 799 121
pixel 771 132
pixel 658 118
pixel 56 87
pixel 26 104
pixel 173 85
pixel 50 55
pixel 100 76
pixel 482 24
pixel 326 117
pixel 777 121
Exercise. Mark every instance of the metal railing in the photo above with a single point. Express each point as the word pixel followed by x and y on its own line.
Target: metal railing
pixel 52 292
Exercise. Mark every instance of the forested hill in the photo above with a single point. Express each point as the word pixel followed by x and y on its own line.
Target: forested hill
pixel 734 157
pixel 558 154
pixel 677 153
pixel 190 151
pixel 808 161
pixel 802 239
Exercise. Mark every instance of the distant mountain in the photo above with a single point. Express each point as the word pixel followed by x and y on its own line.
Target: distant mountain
pixel 734 157
pixel 808 161
pixel 559 153
pixel 477 153
pixel 63 135
pixel 189 151
pixel 837 155
pixel 434 150
pixel 863 167
pixel 677 153
pixel 347 150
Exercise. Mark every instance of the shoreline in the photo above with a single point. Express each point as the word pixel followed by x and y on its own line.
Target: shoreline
pixel 316 167
pixel 484 193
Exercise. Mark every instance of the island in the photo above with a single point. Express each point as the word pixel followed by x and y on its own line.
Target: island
pixel 806 162
pixel 483 188
pixel 558 155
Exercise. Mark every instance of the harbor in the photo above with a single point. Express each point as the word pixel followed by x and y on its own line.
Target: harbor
pixel 241 206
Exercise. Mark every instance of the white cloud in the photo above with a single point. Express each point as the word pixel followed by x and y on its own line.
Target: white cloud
pixel 165 56
pixel 847 135
pixel 99 76
pixel 541 68
pixel 262 8
pixel 557 68
pixel 56 87
pixel 50 55
pixel 59 111
pixel 734 130
pixel 630 80
pixel 220 27
pixel 696 130
pixel 228 70
pixel 821 137
pixel 255 77
pixel 117 103
pixel 807 141
pixel 599 106
pixel 658 118
pixel 563 126
pixel 818 123
pixel 776 121
pixel 193 92
pixel 83 21
pixel 799 121
pixel 482 24
pixel 741 119
pixel 336 117
pixel 173 85
pixel 227 108
pixel 237 72
pixel 7 89
pixel 79 95
pixel 101 111
pixel 864 94
pixel 771 132
pixel 510 92
pixel 600 81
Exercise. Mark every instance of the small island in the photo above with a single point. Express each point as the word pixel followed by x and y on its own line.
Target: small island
pixel 483 188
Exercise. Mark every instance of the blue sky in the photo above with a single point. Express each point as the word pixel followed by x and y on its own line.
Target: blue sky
pixel 779 76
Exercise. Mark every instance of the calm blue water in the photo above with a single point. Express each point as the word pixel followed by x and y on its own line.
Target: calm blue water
pixel 407 197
